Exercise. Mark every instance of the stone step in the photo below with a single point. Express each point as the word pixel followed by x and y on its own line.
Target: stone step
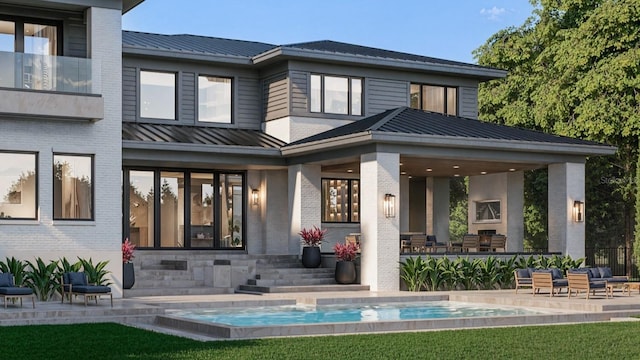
pixel 291 282
pixel 309 288
pixel 280 274
pixel 139 291
pixel 152 283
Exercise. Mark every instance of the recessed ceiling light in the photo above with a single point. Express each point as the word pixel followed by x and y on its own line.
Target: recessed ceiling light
pixel 429 169
pixel 456 175
pixel 409 176
pixel 349 170
pixel 403 173
pixel 400 164
pixel 483 172
pixel 456 166
pixel 512 169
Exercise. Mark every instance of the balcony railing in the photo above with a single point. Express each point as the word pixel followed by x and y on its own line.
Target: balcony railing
pixel 46 73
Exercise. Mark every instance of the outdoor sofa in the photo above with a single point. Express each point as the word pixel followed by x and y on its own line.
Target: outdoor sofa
pixel 9 291
pixel 75 283
pixel 581 281
pixel 551 279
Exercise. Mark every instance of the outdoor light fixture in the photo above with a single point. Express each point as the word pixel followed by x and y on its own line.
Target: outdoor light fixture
pixel 389 205
pixel 578 211
pixel 255 196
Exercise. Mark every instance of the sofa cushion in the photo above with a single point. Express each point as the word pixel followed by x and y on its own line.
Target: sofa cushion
pixel 91 289
pixel 15 291
pixel 77 278
pixel 605 272
pixel 597 284
pixel 523 274
pixel 556 274
pixel 560 282
pixel 6 280
pixel 595 273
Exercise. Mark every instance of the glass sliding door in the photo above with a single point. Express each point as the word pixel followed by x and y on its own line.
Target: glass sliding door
pixel 141 207
pixel 202 210
pixel 231 206
pixel 171 209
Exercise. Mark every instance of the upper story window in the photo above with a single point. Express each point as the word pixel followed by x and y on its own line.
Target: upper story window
pixel 72 187
pixel 214 99
pixel 31 37
pixel 336 94
pixel 18 179
pixel 157 95
pixel 442 99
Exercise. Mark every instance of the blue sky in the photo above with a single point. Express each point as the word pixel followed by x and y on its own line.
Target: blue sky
pixel 449 29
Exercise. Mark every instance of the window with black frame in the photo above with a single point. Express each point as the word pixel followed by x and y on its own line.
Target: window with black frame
pixel 436 98
pixel 18 179
pixel 336 94
pixel 340 200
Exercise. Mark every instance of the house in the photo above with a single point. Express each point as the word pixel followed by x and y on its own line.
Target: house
pixel 213 153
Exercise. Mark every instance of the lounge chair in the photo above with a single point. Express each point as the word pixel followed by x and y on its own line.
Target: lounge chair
pixel 581 281
pixel 551 279
pixel 75 283
pixel 9 291
pixel 522 278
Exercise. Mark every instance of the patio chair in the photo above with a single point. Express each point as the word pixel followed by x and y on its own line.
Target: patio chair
pixel 498 243
pixel 581 281
pixel 75 283
pixel 418 243
pixel 551 279
pixel 9 290
pixel 522 278
pixel 434 245
pixel 469 242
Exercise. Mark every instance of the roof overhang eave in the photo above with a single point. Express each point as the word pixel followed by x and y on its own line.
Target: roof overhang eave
pixel 194 56
pixel 447 141
pixel 480 72
pixel 218 149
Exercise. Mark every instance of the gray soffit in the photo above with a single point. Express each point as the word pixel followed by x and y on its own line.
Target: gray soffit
pixel 192 138
pixel 410 126
pixel 204 48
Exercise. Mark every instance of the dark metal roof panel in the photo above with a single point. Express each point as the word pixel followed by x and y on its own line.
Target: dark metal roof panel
pixel 198 135
pixel 194 44
pixel 405 120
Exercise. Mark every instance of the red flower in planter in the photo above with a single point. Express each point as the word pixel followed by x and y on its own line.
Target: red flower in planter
pixel 346 252
pixel 127 251
pixel 312 237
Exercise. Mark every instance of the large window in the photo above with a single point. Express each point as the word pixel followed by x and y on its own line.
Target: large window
pixel 214 99
pixel 31 37
pixel 340 200
pixel 18 196
pixel 336 95
pixel 72 187
pixel 157 95
pixel 442 99
pixel 211 204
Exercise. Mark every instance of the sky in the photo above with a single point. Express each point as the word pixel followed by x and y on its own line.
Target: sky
pixel 447 29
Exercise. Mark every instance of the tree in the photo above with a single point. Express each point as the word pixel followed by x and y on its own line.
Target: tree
pixel 574 69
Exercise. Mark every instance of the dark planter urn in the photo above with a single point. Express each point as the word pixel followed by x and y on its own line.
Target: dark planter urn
pixel 311 257
pixel 345 272
pixel 128 276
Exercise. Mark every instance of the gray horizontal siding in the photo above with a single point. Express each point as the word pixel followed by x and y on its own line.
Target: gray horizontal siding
pixel 247 103
pixel 299 92
pixel 188 98
pixel 382 94
pixel 75 37
pixel 468 102
pixel 276 97
pixel 129 94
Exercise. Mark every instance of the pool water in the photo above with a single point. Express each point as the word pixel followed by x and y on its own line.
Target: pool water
pixel 298 314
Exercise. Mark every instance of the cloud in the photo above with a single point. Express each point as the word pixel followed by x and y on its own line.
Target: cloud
pixel 493 14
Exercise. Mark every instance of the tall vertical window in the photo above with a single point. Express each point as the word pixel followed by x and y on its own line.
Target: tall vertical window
pixel 141 208
pixel 7 36
pixel 193 209
pixel 340 200
pixel 214 99
pixel 336 95
pixel 73 187
pixel 441 99
pixel 41 38
pixel 18 196
pixel 157 95
pixel 171 209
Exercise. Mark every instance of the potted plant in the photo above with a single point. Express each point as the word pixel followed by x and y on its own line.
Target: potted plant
pixel 128 275
pixel 311 240
pixel 346 255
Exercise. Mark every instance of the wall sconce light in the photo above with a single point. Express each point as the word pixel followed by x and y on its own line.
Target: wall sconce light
pixel 578 211
pixel 255 196
pixel 389 205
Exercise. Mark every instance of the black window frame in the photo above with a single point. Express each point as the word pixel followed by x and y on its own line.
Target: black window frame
pixel 445 89
pixel 93 187
pixel 176 104
pixel 349 94
pixel 197 104
pixel 37 185
pixel 19 22
pixel 349 201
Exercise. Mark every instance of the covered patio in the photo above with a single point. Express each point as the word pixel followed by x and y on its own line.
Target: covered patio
pixel 403 160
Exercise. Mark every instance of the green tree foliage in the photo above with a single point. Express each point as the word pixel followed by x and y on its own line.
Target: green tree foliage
pixel 574 69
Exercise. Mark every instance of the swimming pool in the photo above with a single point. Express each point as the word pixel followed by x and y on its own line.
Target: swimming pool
pixel 302 315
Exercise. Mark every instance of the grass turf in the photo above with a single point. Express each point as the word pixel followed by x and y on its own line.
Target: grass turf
pixel 617 340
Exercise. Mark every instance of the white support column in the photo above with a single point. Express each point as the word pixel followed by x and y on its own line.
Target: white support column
pixel 566 185
pixel 379 175
pixel 515 211
pixel 304 202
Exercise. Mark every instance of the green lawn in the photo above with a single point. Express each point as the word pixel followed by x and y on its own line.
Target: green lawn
pixel 619 340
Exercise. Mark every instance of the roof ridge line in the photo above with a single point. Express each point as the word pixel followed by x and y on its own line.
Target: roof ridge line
pixel 386 118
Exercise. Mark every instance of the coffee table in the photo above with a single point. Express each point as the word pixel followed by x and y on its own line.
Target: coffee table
pixel 628 286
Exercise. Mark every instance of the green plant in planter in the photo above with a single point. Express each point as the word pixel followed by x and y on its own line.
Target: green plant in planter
pixel 489 273
pixel 16 267
pixel 413 271
pixel 468 272
pixel 96 274
pixel 507 266
pixel 41 278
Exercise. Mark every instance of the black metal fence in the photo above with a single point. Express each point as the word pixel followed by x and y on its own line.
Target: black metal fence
pixel 615 258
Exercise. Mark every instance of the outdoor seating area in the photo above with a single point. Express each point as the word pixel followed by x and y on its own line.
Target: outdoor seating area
pixel 420 243
pixel 587 280
pixel 73 284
